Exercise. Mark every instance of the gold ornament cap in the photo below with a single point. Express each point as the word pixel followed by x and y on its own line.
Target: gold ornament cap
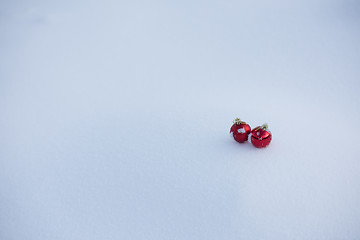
pixel 237 121
pixel 265 126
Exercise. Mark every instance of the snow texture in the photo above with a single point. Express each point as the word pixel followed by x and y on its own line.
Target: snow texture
pixel 114 118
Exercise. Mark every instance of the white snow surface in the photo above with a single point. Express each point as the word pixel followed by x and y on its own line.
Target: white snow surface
pixel 115 115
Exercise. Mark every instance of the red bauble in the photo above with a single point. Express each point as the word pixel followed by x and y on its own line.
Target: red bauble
pixel 261 136
pixel 240 130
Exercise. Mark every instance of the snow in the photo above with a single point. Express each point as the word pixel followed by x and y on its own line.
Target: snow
pixel 114 118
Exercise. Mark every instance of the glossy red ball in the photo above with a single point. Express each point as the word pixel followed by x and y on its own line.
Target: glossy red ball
pixel 240 131
pixel 261 136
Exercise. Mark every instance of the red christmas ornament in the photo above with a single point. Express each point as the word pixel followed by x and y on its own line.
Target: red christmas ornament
pixel 261 136
pixel 240 130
